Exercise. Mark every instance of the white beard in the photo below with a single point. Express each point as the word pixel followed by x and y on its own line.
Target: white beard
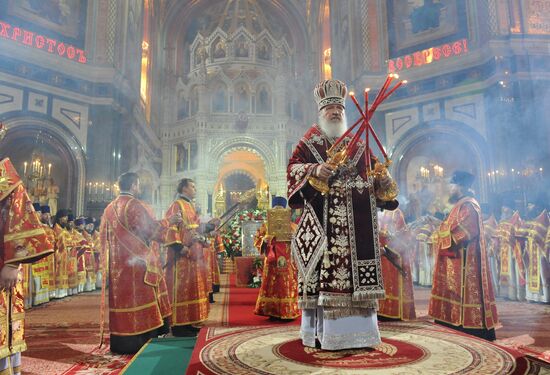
pixel 333 129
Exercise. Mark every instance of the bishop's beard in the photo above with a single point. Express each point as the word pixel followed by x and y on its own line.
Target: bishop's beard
pixel 333 129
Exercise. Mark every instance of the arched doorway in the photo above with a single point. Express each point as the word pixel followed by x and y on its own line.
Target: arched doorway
pixel 235 185
pixel 426 157
pixel 58 180
pixel 239 171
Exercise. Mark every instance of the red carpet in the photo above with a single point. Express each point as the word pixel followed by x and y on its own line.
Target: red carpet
pixel 250 344
pixel 63 337
pixel 407 348
pixel 100 362
pixel 69 350
pixel 241 308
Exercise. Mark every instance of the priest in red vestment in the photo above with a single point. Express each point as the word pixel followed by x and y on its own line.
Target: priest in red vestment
pixel 336 245
pixel 537 270
pixel 186 269
pixel 138 304
pixel 397 240
pixel 278 295
pixel 63 247
pixel 509 242
pixel 462 292
pixel 22 241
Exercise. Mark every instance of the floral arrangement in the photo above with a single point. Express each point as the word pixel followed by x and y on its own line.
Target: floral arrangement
pixel 257 270
pixel 231 237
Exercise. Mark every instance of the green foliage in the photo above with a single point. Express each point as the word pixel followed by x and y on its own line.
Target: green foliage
pixel 231 237
pixel 257 273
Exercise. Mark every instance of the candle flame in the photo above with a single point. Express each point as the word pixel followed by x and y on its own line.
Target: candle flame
pixel 396 76
pixel 367 89
pixel 351 93
pixel 405 81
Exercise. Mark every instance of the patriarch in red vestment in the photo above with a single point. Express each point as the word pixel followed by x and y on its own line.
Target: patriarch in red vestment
pixel 336 245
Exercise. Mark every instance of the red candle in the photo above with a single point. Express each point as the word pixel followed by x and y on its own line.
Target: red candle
pixel 393 89
pixel 382 91
pixel 367 100
pixel 368 125
pixel 348 130
pixel 364 125
pixel 377 141
pixel 357 135
pixel 367 151
pixel 367 146
pixel 354 139
pixel 354 100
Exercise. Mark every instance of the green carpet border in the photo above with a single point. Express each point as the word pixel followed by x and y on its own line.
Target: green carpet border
pixel 167 364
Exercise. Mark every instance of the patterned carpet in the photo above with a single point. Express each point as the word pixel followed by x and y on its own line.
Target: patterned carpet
pixel 63 336
pixel 523 325
pixel 407 348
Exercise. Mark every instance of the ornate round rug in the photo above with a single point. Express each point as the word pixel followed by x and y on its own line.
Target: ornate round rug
pixel 407 348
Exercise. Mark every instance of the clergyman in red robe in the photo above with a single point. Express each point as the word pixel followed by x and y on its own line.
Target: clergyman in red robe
pixel 138 298
pixel 462 292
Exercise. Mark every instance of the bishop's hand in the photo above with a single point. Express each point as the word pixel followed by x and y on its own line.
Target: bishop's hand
pixel 324 171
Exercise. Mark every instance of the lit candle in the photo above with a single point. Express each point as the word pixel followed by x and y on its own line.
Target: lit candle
pixel 361 128
pixel 380 97
pixel 49 169
pixel 25 168
pixel 367 125
pixel 393 89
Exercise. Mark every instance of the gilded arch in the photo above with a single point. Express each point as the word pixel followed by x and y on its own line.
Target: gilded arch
pixel 458 131
pixel 72 151
pixel 243 143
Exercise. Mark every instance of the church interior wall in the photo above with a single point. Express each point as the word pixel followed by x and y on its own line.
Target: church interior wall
pixel 221 96
pixel 489 88
pixel 90 97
